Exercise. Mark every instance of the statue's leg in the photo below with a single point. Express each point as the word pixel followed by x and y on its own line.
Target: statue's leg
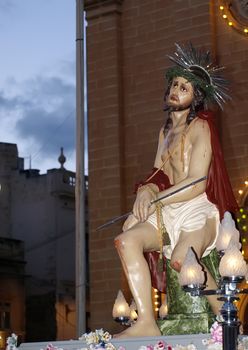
pixel 131 245
pixel 200 240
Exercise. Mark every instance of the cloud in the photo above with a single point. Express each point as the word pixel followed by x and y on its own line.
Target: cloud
pixel 67 68
pixel 11 103
pixel 42 114
pixel 50 118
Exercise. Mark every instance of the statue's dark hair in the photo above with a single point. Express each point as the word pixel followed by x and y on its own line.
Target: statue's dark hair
pixel 196 106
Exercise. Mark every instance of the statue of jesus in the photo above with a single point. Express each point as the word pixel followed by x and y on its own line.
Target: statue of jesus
pixel 188 149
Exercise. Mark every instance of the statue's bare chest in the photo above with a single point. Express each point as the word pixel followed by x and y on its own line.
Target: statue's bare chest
pixel 176 151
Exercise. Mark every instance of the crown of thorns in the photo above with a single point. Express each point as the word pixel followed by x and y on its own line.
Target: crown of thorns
pixel 196 66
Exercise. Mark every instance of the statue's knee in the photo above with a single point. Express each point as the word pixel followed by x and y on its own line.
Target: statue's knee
pixel 176 265
pixel 121 241
pixel 124 241
pixel 118 242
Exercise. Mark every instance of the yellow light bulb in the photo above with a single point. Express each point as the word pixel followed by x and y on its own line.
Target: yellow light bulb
pixel 221 8
pixel 240 191
pixel 243 216
pixel 246 183
pixel 230 23
pixel 121 308
pixel 241 210
pixel 224 16
pixel 246 30
pixel 244 227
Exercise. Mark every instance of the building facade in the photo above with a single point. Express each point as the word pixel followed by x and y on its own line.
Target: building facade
pixel 12 289
pixel 38 213
pixel 127 46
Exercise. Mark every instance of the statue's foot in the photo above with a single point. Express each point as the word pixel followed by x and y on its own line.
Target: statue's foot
pixel 140 329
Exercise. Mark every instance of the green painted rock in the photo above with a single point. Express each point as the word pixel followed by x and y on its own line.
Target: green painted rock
pixel 187 314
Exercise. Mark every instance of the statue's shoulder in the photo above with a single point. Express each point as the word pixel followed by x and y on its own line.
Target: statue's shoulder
pixel 199 129
pixel 198 124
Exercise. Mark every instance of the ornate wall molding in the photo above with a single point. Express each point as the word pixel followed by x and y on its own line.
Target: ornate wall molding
pixel 235 13
pixel 97 8
pixel 239 10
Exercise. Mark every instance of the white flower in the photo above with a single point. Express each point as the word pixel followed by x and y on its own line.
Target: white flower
pixel 110 346
pixel 99 332
pixel 12 342
pixel 216 346
pixel 106 337
pixel 95 338
pixel 91 338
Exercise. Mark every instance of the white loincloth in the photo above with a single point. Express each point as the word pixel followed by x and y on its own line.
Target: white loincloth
pixel 186 216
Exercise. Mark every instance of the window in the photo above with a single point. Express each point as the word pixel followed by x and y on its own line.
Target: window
pixel 4 315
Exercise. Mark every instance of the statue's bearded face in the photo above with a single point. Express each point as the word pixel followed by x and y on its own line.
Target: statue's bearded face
pixel 181 94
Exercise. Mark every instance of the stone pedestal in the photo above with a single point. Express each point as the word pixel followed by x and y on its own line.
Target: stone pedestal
pixel 187 314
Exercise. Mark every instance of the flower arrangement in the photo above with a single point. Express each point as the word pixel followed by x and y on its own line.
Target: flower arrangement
pixel 100 340
pixel 215 342
pixel 161 345
pixel 12 342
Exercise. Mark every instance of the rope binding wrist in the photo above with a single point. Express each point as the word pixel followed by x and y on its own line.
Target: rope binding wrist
pixel 148 188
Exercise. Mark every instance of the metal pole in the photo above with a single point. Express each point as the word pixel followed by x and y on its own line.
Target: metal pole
pixel 230 336
pixel 230 323
pixel 80 180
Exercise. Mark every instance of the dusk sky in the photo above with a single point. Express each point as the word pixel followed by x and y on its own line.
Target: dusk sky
pixel 37 79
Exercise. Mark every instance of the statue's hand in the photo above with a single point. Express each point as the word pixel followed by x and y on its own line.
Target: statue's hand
pixel 142 206
pixel 129 223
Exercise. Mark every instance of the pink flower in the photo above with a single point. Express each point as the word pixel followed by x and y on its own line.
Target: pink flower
pixel 216 332
pixel 51 347
pixel 160 345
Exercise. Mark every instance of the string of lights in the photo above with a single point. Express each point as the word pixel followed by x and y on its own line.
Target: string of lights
pixel 242 217
pixel 230 19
